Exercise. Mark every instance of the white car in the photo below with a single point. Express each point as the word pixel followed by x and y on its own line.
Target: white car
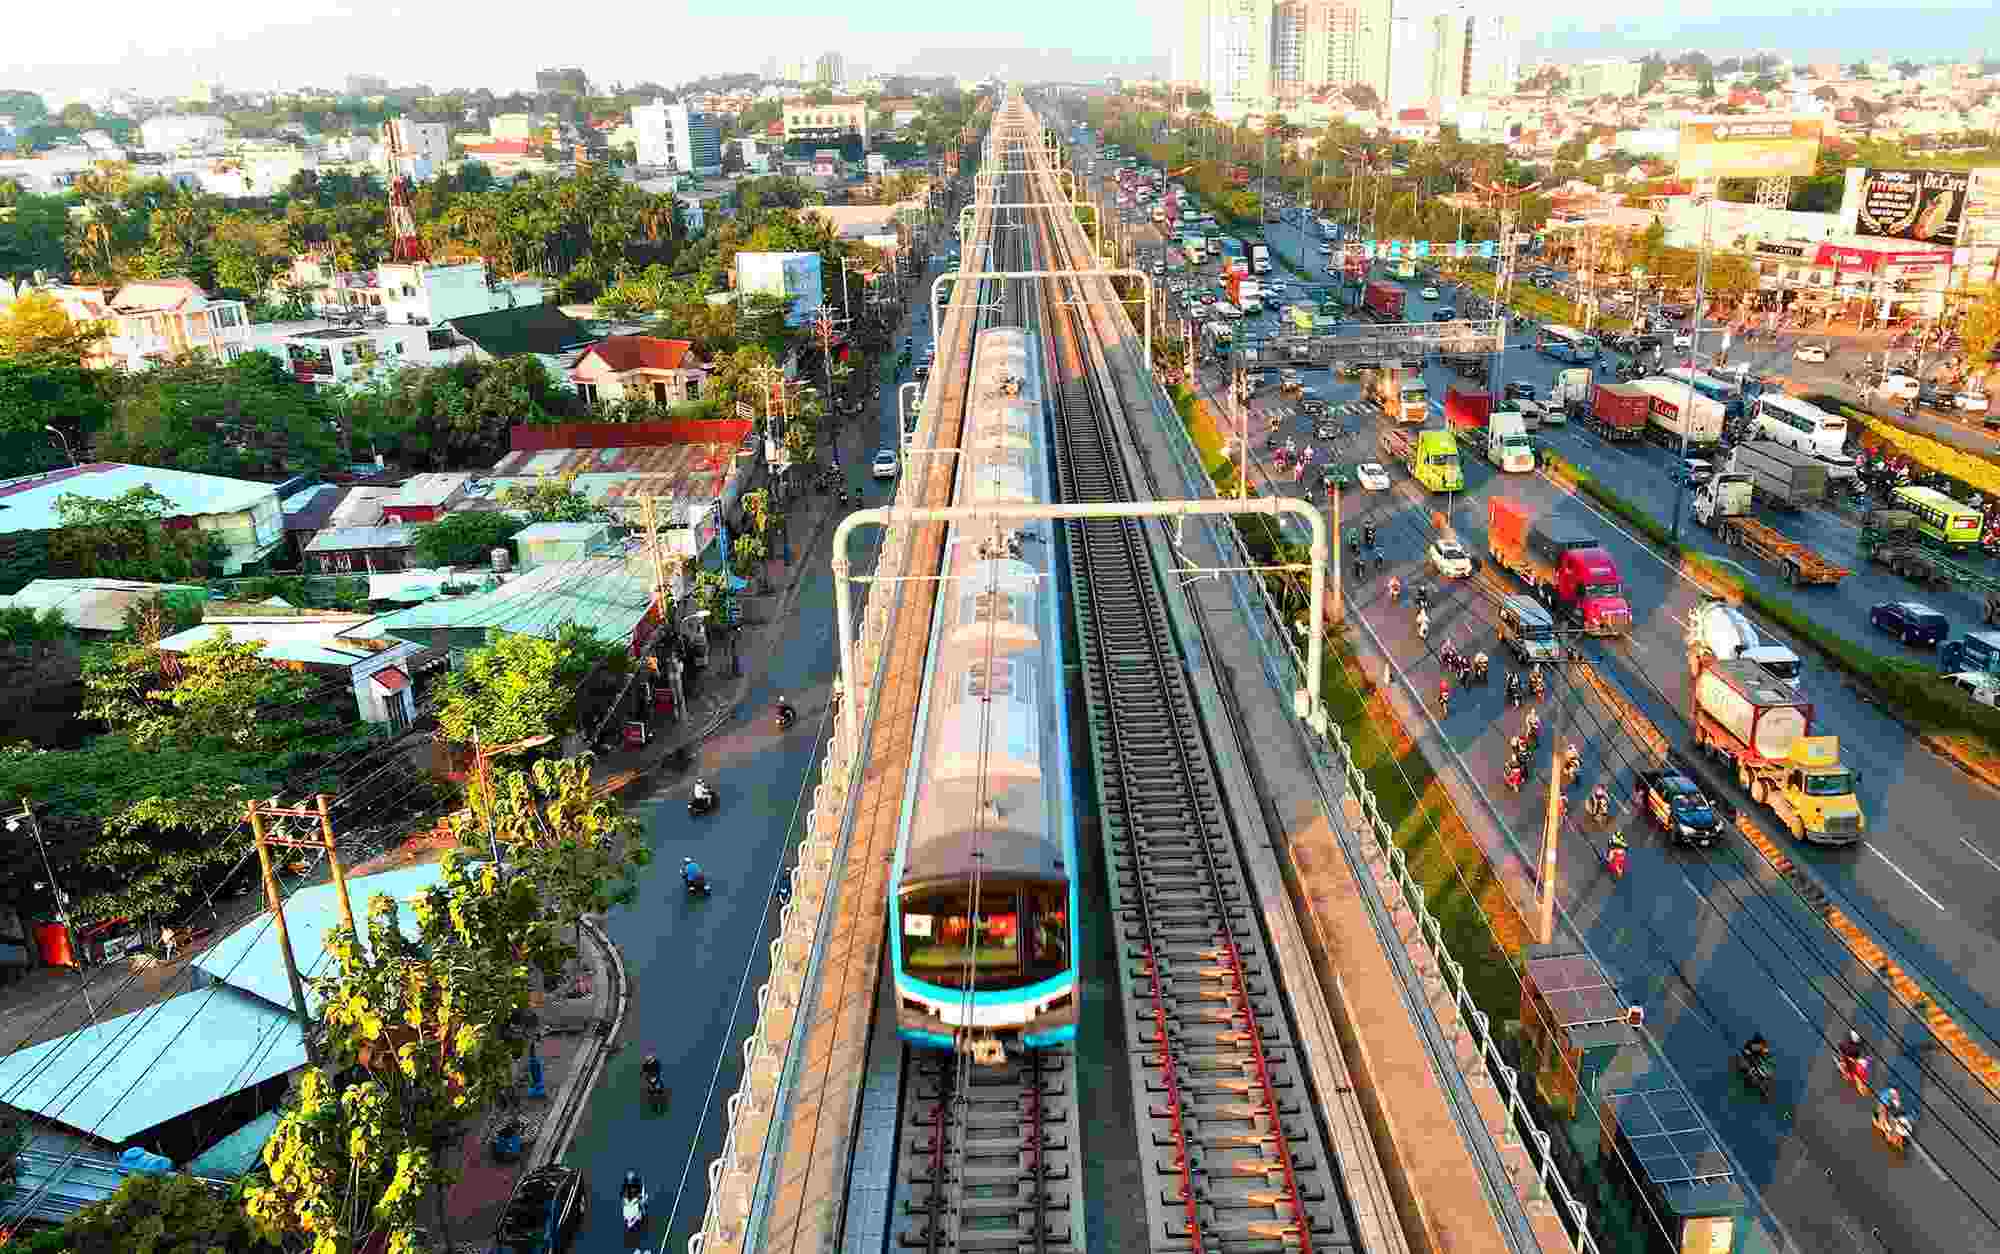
pixel 1978 685
pixel 887 463
pixel 1372 476
pixel 1429 293
pixel 1449 560
pixel 1897 387
pixel 1325 250
pixel 1683 339
pixel 1809 352
pixel 1972 401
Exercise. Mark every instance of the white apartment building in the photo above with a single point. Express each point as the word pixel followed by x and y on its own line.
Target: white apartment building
pixel 1238 54
pixel 172 132
pixel 1412 52
pixel 674 137
pixel 425 294
pixel 1616 78
pixel 1321 45
pixel 156 320
pixel 1473 55
pixel 426 147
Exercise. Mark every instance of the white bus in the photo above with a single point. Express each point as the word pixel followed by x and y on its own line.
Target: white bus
pixel 1797 425
pixel 1726 392
pixel 1565 344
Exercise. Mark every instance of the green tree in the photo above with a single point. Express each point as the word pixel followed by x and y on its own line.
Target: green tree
pixel 464 538
pixel 1980 329
pixel 426 1021
pixel 36 329
pixel 32 236
pixel 35 397
pixel 126 537
pixel 161 1214
pixel 552 499
pixel 249 416
pixel 521 686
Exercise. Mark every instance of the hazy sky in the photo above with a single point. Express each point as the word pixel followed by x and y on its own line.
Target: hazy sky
pixel 156 47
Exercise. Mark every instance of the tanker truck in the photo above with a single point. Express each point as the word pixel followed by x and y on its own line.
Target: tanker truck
pixel 1759 725
pixel 1718 630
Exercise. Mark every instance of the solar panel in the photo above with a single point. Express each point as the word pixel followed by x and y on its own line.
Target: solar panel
pixel 1669 1139
pixel 1576 990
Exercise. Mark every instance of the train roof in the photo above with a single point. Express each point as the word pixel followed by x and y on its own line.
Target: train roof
pixel 1006 824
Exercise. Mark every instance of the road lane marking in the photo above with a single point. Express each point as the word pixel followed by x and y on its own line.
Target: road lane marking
pixel 1977 853
pixel 1906 877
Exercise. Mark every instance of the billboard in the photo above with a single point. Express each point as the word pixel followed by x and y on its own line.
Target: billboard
pixel 1749 147
pixel 1979 219
pixel 792 277
pixel 1924 206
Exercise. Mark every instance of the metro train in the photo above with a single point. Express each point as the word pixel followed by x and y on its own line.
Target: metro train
pixel 983 894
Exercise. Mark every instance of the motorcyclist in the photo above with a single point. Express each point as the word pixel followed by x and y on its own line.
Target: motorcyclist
pixel 1368 534
pixel 691 873
pixel 649 1069
pixel 1444 694
pixel 634 1188
pixel 1535 679
pixel 1514 687
pixel 1852 1050
pixel 785 711
pixel 1615 856
pixel 702 792
pixel 1479 664
pixel 1757 1051
pixel 1533 728
pixel 1423 624
pixel 1600 802
pixel 1395 588
pixel 1572 763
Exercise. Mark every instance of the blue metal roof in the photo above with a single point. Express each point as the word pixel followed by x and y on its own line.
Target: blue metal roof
pixel 249 958
pixel 116 1079
pixel 238 1153
pixel 600 593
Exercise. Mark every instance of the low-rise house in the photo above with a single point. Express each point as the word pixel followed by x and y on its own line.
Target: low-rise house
pixel 427 497
pixel 243 517
pixel 361 550
pixel 151 321
pixel 542 331
pixel 543 543
pixel 308 512
pixel 98 607
pixel 377 667
pixel 696 470
pixel 639 368
pixel 610 595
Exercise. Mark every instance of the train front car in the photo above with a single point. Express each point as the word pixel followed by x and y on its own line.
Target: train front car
pixel 983 909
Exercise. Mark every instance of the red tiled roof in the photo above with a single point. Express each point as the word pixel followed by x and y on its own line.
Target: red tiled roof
pixel 1414 115
pixel 390 679
pixel 639 352
pixel 505 148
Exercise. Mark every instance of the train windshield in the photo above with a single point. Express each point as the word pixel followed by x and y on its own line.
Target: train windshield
pixel 1019 935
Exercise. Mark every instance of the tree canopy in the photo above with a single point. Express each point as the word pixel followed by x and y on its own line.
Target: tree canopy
pixel 521 686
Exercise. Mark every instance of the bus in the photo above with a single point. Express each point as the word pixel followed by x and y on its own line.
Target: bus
pixel 1565 344
pixel 1797 425
pixel 1939 518
pixel 1405 269
pixel 1722 391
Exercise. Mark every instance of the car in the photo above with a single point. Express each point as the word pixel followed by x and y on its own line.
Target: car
pixel 1519 390
pixel 887 462
pixel 1677 807
pixel 1683 339
pixel 1311 406
pixel 1694 471
pixel 1972 401
pixel 1448 559
pixel 1444 315
pixel 1325 249
pixel 1326 429
pixel 1809 352
pixel 1933 396
pixel 1372 476
pixel 1429 293
pixel 1897 387
pixel 544 1212
pixel 1977 686
pixel 1916 623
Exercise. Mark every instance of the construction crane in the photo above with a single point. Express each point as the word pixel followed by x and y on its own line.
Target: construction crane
pixel 407 244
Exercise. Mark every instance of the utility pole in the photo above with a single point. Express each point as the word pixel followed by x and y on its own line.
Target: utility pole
pixel 1545 894
pixel 276 902
pixel 27 815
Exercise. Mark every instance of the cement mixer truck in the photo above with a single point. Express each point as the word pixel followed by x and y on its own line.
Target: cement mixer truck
pixel 1759 725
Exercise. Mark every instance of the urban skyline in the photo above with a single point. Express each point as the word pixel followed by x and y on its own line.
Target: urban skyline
pixel 158 52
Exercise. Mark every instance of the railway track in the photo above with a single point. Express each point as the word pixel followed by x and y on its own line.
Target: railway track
pixel 1230 1140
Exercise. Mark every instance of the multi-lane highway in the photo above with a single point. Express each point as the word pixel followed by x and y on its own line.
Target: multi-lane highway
pixel 1705 940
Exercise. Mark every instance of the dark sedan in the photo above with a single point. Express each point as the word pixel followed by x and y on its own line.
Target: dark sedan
pixel 1517 390
pixel 544 1213
pixel 1912 622
pixel 1678 808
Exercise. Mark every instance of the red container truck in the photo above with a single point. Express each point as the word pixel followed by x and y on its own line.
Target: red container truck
pixel 1383 301
pixel 1466 408
pixel 1618 411
pixel 1562 563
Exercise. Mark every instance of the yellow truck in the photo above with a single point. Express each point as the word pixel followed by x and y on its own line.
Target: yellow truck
pixel 1759 725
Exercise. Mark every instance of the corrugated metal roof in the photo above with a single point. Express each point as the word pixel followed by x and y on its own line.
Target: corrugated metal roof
pixel 561 531
pixel 313 508
pixel 615 476
pixel 250 959
pixel 116 1079
pixel 239 1153
pixel 29 504
pixel 98 604
pixel 343 539
pixel 308 641
pixel 361 507
pixel 434 488
pixel 601 593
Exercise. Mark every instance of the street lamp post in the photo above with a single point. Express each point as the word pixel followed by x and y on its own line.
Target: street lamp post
pixel 1694 346
pixel 65 443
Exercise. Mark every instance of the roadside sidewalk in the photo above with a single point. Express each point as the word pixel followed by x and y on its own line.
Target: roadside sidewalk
pixel 580 1023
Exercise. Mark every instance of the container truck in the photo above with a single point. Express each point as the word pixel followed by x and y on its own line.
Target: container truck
pixel 1467 408
pixel 1718 631
pixel 1507 443
pixel 1562 563
pixel 1725 495
pixel 1400 391
pixel 1795 561
pixel 1571 393
pixel 1431 456
pixel 1759 725
pixel 1618 411
pixel 1673 417
pixel 1260 258
pixel 1782 476
pixel 1383 301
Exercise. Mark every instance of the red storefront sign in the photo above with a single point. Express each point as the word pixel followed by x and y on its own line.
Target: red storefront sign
pixel 1846 257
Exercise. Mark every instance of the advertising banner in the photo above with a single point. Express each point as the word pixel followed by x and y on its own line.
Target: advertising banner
pixel 1979 220
pixel 1749 147
pixel 792 277
pixel 1925 206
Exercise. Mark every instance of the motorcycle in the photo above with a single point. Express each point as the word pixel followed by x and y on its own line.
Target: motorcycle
pixel 1855 1072
pixel 1480 665
pixel 1758 1073
pixel 1598 807
pixel 695 880
pixel 786 717
pixel 635 1199
pixel 1614 861
pixel 1893 1128
pixel 703 799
